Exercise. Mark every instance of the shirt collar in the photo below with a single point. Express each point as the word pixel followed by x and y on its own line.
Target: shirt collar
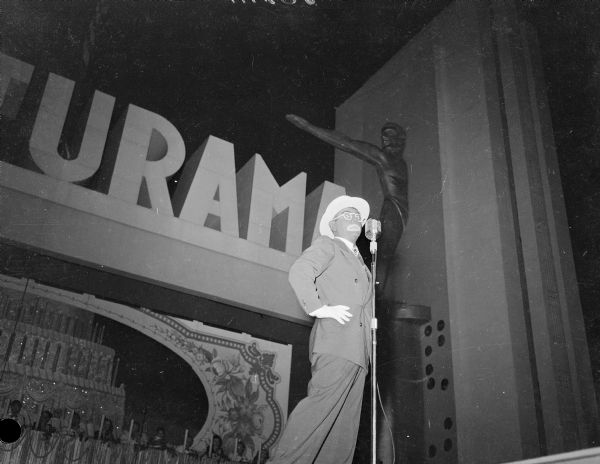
pixel 348 243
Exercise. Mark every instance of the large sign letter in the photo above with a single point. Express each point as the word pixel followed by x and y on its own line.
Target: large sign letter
pixel 151 150
pixel 316 204
pixel 49 126
pixel 271 215
pixel 206 193
pixel 14 79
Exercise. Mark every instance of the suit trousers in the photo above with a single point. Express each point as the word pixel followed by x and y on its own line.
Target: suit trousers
pixel 323 427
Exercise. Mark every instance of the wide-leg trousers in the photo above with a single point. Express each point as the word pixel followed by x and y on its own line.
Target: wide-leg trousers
pixel 323 427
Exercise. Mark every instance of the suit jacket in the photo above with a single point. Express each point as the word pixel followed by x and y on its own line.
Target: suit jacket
pixel 328 273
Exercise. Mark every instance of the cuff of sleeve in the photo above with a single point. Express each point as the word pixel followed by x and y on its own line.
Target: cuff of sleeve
pixel 310 307
pixel 312 313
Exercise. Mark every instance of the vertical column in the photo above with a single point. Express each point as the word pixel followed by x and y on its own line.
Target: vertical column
pixel 494 387
pixel 568 293
pixel 552 320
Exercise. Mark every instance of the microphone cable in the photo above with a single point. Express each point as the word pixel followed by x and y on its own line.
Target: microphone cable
pixel 387 423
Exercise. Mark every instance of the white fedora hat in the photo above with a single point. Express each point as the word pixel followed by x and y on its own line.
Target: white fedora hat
pixel 338 204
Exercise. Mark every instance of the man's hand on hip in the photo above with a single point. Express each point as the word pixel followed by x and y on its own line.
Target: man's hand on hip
pixel 338 312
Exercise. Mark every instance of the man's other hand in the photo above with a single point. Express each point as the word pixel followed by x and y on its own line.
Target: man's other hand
pixel 338 312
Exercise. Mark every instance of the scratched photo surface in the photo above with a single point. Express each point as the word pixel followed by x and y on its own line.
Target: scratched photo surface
pixel 144 146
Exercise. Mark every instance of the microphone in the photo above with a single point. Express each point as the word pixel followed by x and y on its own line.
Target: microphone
pixel 372 229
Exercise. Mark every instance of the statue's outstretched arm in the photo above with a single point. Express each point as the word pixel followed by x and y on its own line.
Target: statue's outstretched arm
pixel 362 150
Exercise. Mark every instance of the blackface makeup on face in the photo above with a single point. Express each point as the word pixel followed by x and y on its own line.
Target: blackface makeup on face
pixel 348 227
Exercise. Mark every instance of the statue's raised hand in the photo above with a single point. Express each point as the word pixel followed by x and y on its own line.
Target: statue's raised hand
pixel 296 120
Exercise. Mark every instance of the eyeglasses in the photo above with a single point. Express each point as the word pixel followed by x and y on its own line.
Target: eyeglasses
pixel 348 216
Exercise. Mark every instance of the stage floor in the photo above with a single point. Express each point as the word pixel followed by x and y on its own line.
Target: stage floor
pixel 586 456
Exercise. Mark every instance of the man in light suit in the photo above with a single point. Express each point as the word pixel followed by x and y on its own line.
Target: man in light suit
pixel 333 285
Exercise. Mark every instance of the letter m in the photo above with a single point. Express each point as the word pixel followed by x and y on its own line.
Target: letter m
pixel 271 215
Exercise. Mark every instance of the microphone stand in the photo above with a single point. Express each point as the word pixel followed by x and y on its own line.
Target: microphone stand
pixel 373 248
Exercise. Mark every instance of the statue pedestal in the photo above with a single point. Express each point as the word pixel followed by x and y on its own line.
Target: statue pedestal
pixel 401 380
pixel 410 313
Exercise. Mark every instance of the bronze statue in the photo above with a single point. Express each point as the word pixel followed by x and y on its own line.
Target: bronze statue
pixel 393 178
